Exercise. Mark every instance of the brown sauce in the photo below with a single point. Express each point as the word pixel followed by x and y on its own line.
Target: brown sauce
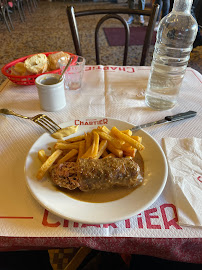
pixel 101 196
pixel 50 81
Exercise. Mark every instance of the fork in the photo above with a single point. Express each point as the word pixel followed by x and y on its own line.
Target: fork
pixel 41 119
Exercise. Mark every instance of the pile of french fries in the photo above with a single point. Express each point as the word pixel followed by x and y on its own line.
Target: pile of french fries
pixel 99 143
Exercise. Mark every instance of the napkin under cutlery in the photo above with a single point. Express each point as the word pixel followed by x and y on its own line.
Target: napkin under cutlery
pixel 185 168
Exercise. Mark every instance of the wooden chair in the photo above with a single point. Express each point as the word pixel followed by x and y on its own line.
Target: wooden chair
pixel 112 13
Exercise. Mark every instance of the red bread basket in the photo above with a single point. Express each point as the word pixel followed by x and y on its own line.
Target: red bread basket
pixel 28 79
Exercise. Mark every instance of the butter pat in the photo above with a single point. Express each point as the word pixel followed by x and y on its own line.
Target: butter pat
pixel 64 132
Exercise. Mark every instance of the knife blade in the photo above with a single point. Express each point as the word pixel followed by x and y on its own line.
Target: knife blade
pixel 167 119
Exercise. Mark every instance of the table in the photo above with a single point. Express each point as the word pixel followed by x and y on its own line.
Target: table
pixel 107 91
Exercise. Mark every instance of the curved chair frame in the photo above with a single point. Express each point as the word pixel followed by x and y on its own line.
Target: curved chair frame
pixel 127 36
pixel 112 13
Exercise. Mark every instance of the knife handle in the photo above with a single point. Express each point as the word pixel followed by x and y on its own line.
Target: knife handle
pixel 180 116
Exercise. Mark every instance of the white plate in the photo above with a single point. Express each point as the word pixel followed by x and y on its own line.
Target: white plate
pixel 44 192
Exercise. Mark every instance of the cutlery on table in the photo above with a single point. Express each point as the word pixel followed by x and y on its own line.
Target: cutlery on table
pixel 41 119
pixel 69 62
pixel 167 119
pixel 50 126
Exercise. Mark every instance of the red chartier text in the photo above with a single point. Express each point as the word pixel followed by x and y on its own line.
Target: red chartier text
pixel 149 216
pixel 91 122
pixel 110 68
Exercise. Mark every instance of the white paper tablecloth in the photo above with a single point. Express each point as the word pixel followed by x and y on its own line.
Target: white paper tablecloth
pixel 107 92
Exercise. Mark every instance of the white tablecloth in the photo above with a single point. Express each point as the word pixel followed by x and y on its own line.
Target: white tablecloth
pixel 109 91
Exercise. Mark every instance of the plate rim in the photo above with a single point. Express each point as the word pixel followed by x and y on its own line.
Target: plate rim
pixel 101 221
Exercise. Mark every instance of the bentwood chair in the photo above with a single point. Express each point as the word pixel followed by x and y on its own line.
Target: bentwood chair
pixel 4 13
pixel 108 14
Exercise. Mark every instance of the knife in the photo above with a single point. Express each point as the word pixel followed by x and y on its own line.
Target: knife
pixel 167 119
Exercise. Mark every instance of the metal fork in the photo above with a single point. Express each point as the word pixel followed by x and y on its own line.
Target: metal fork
pixel 41 119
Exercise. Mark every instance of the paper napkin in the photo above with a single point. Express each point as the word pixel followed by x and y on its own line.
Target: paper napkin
pixel 185 168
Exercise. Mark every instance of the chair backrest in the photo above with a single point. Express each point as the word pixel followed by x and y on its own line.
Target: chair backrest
pixel 113 13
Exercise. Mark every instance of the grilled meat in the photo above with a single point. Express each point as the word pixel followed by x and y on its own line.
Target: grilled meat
pixel 92 174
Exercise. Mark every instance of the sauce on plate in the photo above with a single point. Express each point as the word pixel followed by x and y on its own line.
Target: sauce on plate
pixel 101 196
pixel 64 132
pixel 50 81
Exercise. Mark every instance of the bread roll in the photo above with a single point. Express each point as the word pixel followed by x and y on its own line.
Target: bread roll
pixel 37 63
pixel 53 59
pixel 19 70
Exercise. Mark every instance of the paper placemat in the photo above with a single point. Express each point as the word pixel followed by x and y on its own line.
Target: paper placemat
pixel 116 92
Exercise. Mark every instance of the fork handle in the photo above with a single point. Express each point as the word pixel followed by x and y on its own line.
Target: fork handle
pixel 10 112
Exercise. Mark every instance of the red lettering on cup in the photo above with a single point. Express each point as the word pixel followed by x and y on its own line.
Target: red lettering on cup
pixel 148 218
pixel 172 222
pixel 45 220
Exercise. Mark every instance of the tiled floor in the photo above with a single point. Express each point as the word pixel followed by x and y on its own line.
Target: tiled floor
pixel 68 259
pixel 60 258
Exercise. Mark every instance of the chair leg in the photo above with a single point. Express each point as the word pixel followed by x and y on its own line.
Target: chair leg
pixel 29 6
pixel 35 3
pixel 22 9
pixel 9 17
pixel 19 11
pixel 32 5
pixel 5 20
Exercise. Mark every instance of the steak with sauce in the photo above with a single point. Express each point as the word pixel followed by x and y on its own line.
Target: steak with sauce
pixel 92 174
pixel 65 175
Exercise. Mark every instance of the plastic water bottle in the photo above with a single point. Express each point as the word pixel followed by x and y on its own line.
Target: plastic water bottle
pixel 175 36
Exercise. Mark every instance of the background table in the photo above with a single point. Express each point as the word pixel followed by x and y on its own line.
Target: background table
pixel 110 91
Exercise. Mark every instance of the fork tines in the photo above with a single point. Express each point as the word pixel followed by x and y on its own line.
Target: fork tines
pixel 47 123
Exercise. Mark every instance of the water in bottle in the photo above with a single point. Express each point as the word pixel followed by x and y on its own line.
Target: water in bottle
pixel 175 37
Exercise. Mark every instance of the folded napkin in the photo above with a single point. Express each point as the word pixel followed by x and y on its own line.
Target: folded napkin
pixel 185 169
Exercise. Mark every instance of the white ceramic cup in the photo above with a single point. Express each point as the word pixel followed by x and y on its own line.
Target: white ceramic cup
pixel 51 92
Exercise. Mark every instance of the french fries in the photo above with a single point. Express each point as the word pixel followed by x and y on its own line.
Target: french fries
pixel 99 143
pixel 95 145
pixel 102 148
pixel 42 156
pixel 88 140
pixel 127 139
pixel 48 163
pixel 66 146
pixel 82 149
pixel 115 142
pixel 76 139
pixel 114 150
pixel 68 156
pixel 88 152
pixel 128 132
